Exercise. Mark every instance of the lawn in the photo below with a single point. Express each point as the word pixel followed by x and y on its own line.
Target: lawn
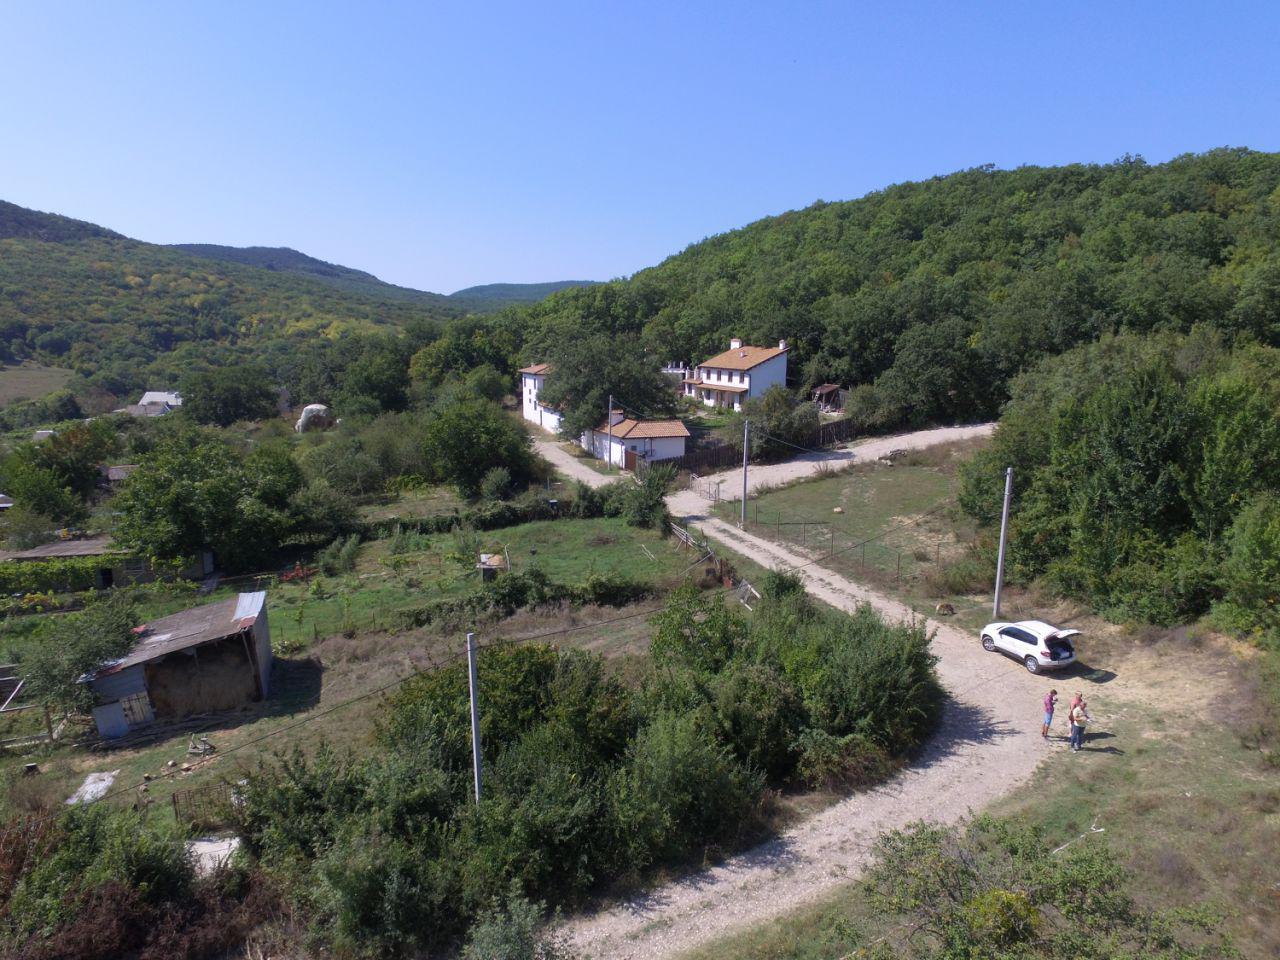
pixel 897 525
pixel 417 504
pixel 30 381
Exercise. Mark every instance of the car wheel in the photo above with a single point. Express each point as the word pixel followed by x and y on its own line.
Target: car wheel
pixel 988 644
pixel 1033 665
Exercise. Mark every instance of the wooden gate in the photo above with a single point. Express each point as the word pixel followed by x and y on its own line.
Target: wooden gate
pixel 629 460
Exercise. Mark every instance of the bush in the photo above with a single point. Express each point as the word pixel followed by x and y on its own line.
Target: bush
pixel 91 847
pixel 839 763
pixel 760 714
pixel 340 556
pixel 496 484
pixel 1251 574
pixel 58 575
pixel 75 644
pixel 513 931
pixel 680 790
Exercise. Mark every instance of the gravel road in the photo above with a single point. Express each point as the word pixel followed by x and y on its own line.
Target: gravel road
pixel 569 465
pixel 987 744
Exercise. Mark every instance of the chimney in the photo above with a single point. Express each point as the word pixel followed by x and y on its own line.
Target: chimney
pixel 615 417
pixel 782 344
pixel 735 344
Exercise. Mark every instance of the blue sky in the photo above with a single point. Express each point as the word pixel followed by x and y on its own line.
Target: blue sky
pixel 440 146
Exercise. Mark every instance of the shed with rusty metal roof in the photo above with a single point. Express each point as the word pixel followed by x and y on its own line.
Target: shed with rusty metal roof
pixel 209 658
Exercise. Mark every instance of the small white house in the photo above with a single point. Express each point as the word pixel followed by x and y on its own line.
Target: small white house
pixel 738 374
pixel 170 398
pixel 624 441
pixel 535 411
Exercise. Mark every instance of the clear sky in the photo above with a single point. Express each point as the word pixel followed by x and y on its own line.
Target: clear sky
pixel 441 145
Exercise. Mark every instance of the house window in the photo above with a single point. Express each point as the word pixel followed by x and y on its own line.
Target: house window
pixel 135 566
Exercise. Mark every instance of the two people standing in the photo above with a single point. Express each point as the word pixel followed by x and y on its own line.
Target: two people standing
pixel 1077 716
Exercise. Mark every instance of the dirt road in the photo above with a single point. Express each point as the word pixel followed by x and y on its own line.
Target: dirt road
pixel 569 465
pixel 988 743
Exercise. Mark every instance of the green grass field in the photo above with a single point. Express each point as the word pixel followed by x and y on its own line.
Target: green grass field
pixel 30 381
pixel 897 525
pixel 419 504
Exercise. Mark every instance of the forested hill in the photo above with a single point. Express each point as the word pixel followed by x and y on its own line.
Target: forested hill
pixel 123 313
pixel 506 294
pixel 287 260
pixel 937 292
pixel 19 223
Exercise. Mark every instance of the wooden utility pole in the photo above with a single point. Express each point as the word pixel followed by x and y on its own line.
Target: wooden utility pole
pixel 475 712
pixel 746 450
pixel 1004 533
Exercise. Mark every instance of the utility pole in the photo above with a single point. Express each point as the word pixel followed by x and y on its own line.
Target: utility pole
pixel 475 712
pixel 608 425
pixel 746 449
pixel 1004 533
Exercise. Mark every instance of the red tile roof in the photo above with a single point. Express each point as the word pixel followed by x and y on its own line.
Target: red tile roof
pixel 743 358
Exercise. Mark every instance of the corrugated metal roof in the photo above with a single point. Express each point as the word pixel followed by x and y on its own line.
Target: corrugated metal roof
pixel 190 628
pixel 93 547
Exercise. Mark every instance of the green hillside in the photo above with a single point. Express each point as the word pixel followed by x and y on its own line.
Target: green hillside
pixel 287 260
pixel 937 292
pixel 123 314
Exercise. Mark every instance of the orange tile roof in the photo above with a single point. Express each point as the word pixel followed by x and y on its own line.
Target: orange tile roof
pixel 743 358
pixel 538 369
pixel 640 429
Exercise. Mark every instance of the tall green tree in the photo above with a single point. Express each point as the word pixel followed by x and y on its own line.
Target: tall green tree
pixel 226 395
pixel 587 370
pixel 467 438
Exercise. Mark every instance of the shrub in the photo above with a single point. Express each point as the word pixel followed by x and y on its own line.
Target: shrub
pixel 75 644
pixel 513 931
pixel 760 713
pixel 680 790
pixel 496 484
pixel 838 763
pixel 1251 574
pixel 340 556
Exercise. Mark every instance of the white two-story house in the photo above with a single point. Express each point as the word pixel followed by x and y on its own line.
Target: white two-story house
pixel 534 410
pixel 738 374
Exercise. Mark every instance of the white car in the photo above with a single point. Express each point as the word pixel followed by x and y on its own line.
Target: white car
pixel 1039 645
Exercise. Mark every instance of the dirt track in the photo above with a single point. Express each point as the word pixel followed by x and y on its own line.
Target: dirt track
pixel 988 743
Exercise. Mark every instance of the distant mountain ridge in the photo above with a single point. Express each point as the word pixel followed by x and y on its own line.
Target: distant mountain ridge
pixel 288 260
pixel 508 293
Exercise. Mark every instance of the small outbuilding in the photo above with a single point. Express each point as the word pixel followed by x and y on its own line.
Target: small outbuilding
pixel 209 658
pixel 829 397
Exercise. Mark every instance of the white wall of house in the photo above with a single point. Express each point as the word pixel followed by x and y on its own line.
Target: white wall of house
pixel 771 373
pixel 531 408
pixel 652 449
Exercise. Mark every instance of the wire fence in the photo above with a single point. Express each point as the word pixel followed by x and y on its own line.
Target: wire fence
pixel 858 553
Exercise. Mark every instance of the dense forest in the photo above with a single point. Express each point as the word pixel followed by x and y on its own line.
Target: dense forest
pixel 930 296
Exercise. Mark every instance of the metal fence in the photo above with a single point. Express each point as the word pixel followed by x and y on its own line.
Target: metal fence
pixel 210 805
